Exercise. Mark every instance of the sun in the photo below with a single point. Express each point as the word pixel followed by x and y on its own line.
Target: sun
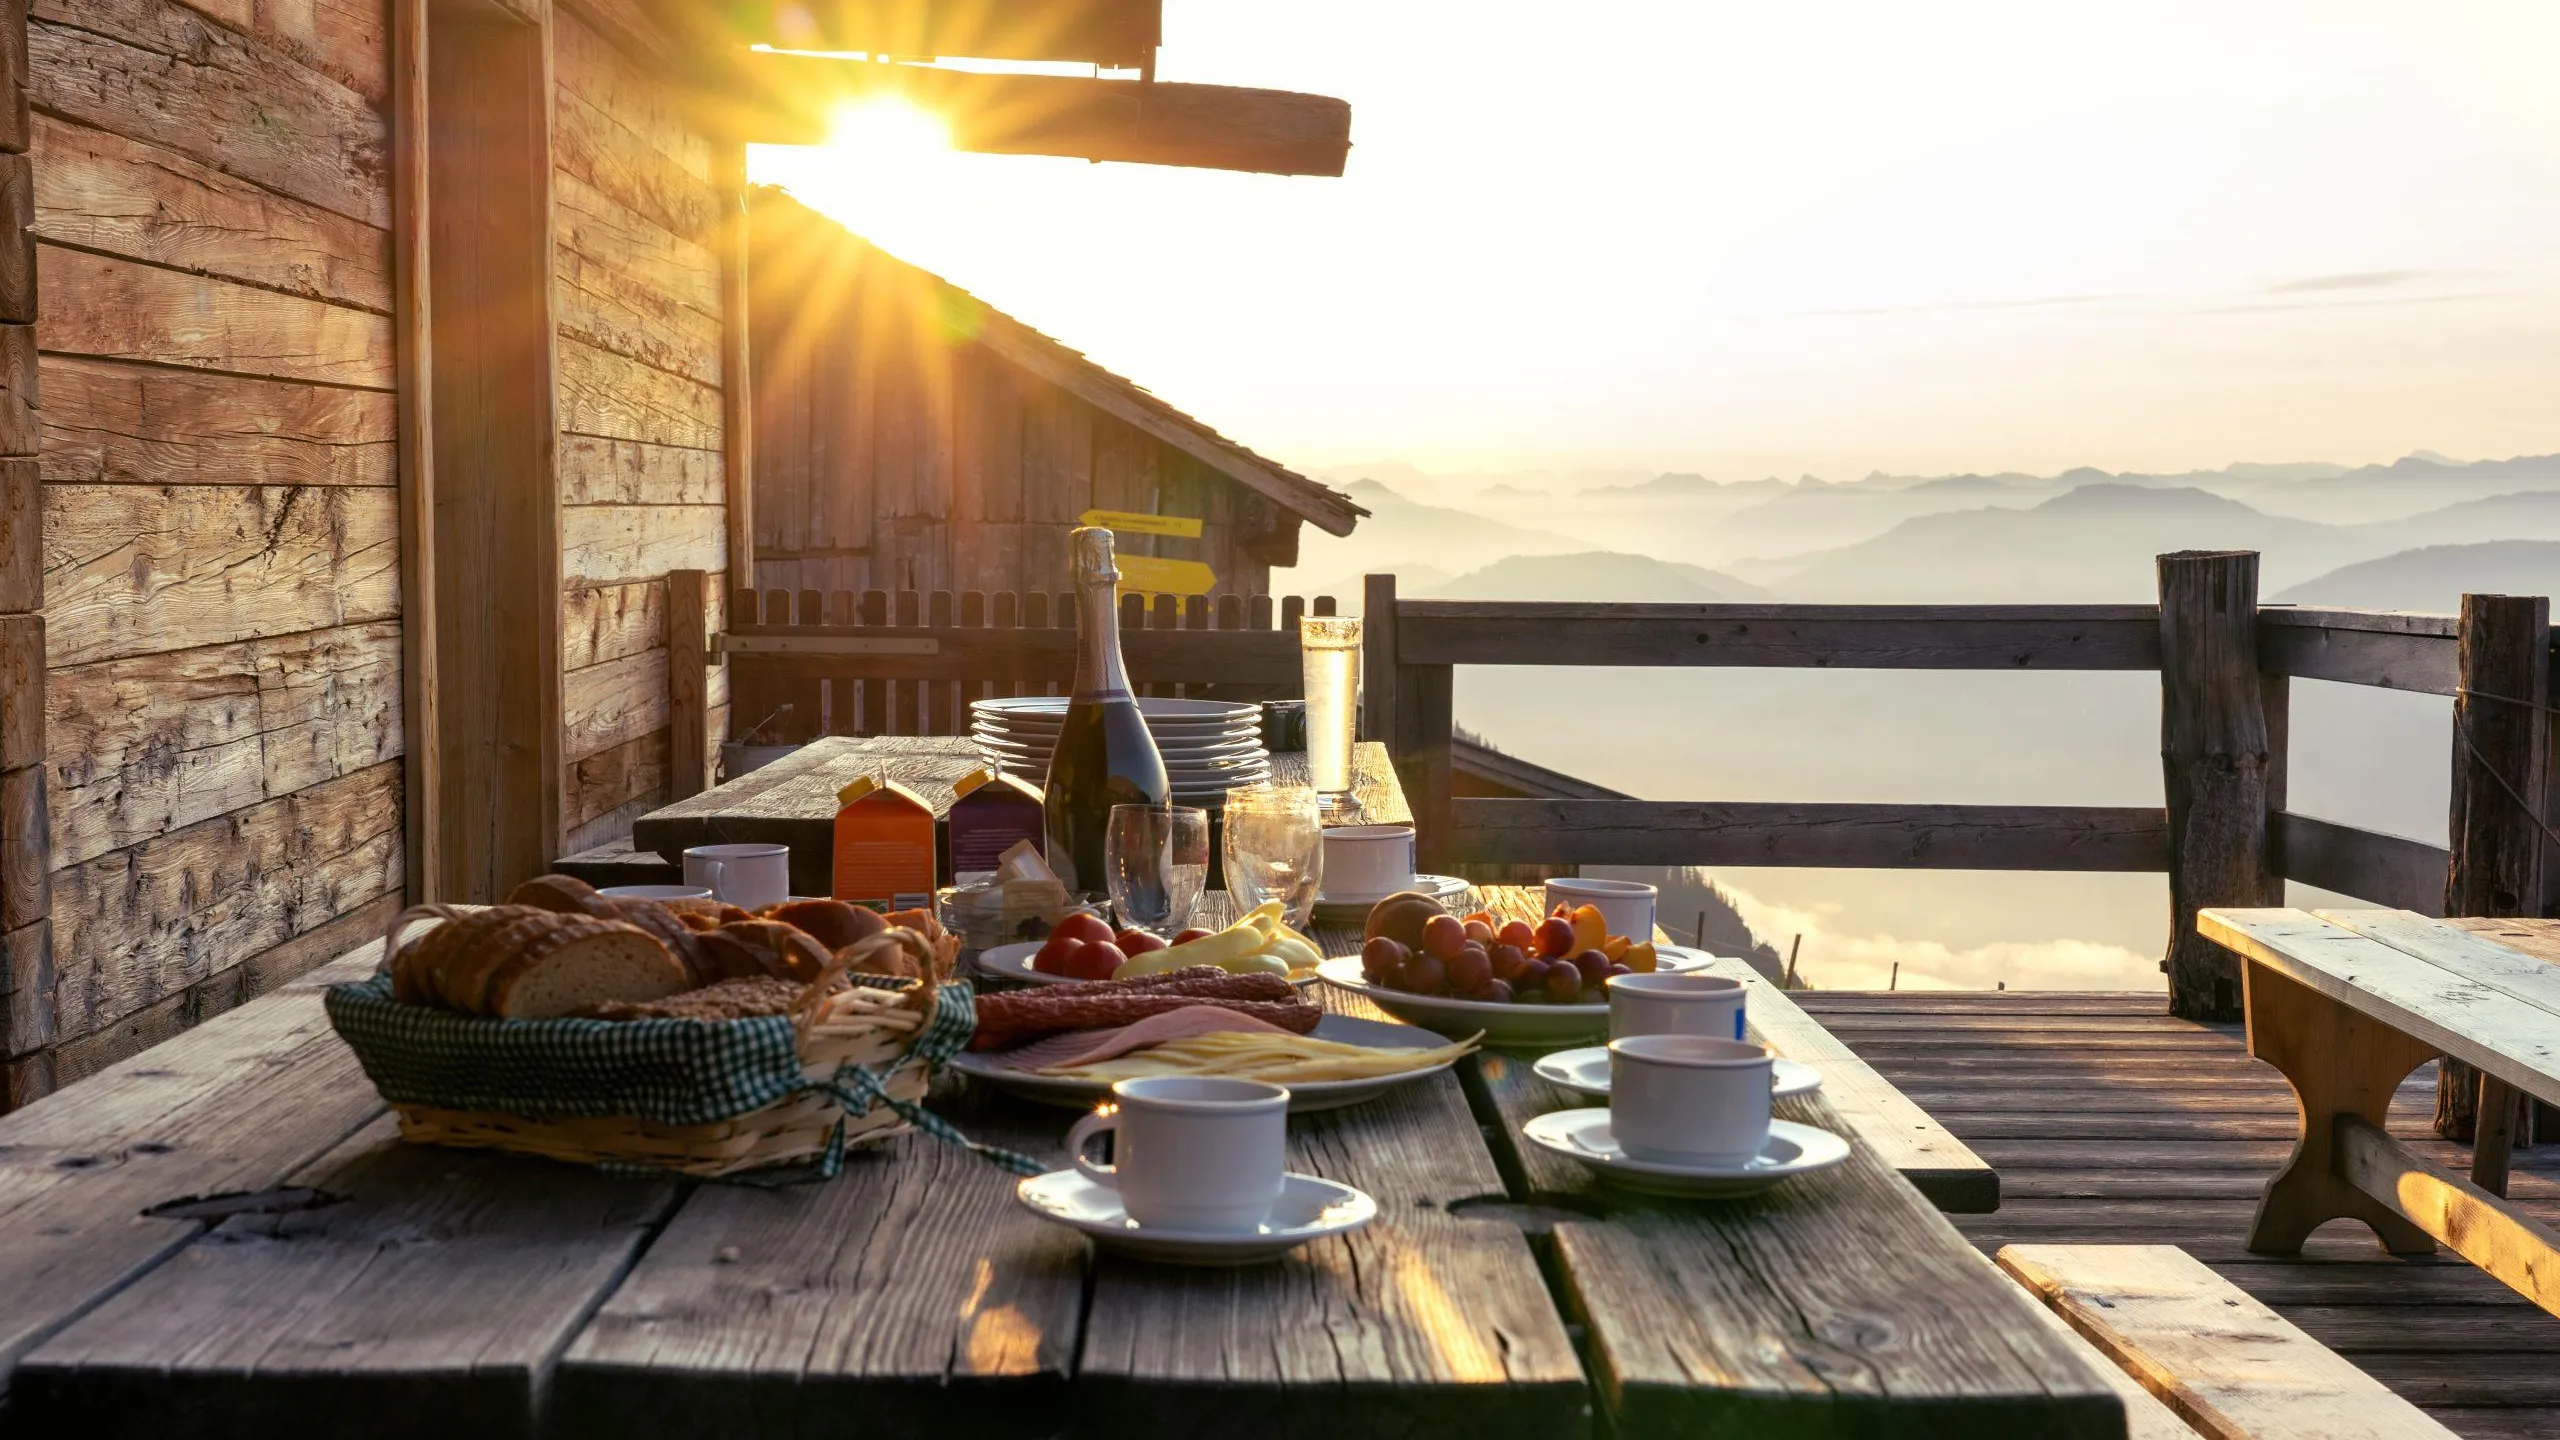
pixel 886 131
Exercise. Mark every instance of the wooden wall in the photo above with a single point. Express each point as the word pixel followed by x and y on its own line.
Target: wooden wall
pixel 211 201
pixel 638 221
pixel 893 452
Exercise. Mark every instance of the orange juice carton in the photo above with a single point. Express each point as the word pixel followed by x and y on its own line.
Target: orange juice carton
pixel 992 814
pixel 884 842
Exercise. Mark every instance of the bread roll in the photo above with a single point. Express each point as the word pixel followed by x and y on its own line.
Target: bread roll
pixel 832 923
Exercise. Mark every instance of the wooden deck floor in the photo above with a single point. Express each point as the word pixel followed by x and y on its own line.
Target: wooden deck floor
pixel 2112 1123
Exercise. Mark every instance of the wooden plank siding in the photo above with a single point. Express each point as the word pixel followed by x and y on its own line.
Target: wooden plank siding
pixel 220 530
pixel 28 974
pixel 640 315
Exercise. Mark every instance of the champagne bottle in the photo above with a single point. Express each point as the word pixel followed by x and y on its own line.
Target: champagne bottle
pixel 1105 756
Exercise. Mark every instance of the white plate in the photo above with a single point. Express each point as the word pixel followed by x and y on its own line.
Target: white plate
pixel 1034 709
pixel 1180 743
pixel 1583 1136
pixel 1586 1072
pixel 1013 962
pixel 1316 1095
pixel 1503 1022
pixel 1308 1209
pixel 1443 888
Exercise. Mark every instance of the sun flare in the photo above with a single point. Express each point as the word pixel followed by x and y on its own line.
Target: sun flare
pixel 886 131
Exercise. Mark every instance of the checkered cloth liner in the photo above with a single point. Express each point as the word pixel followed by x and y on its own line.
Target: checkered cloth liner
pixel 676 1072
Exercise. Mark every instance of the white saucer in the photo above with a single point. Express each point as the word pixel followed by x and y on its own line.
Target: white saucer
pixel 1304 1096
pixel 1586 1072
pixel 1583 1136
pixel 1439 887
pixel 1308 1209
pixel 1013 962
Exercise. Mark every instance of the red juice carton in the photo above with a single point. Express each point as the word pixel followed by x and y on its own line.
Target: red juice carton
pixel 884 842
pixel 992 814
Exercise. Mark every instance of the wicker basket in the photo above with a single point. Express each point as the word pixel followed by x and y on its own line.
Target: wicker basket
pixel 874 1028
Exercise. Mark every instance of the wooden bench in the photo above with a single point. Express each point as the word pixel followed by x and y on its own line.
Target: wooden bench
pixel 2346 1003
pixel 2220 1361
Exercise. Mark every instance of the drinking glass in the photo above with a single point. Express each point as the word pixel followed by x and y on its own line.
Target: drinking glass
pixel 1329 650
pixel 1156 858
pixel 1275 849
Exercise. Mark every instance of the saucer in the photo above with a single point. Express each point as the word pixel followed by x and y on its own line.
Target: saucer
pixel 1583 1136
pixel 1356 907
pixel 1013 962
pixel 1586 1072
pixel 1308 1209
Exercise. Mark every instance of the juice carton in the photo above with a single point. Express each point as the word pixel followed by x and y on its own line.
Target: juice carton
pixel 993 813
pixel 884 842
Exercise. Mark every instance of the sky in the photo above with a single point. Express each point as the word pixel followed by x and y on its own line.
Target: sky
pixel 1825 237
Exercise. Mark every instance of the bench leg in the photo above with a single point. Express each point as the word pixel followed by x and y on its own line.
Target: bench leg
pixel 2339 1063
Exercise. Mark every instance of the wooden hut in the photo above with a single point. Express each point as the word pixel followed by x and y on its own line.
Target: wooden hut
pixel 909 436
pixel 392 355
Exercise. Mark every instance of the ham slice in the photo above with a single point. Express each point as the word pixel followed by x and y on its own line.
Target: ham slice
pixel 1091 1047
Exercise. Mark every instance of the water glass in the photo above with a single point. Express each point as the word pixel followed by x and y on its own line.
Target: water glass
pixel 1156 858
pixel 1329 651
pixel 1275 849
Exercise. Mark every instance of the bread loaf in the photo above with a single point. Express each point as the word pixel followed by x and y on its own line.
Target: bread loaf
pixel 672 932
pixel 526 962
pixel 566 894
pixel 832 923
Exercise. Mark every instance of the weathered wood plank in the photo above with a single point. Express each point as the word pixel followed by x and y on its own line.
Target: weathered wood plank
pixel 613 703
pixel 1153 656
pixel 26 854
pixel 608 544
pixel 607 622
pixel 599 471
pixel 134 569
pixel 17 239
pixel 2367 864
pixel 342 39
pixel 22 704
pixel 280 1321
pixel 654 265
pixel 155 71
pixel 2226 1363
pixel 2474 1224
pixel 112 309
pixel 606 395
pixel 271 970
pixel 603 784
pixel 598 148
pixel 151 743
pixel 1953 837
pixel 102 191
pixel 600 307
pixel 21 535
pixel 26 986
pixel 1892 637
pixel 688 696
pixel 2389 650
pixel 652 113
pixel 141 924
pixel 109 423
pixel 19 428
pixel 2215 767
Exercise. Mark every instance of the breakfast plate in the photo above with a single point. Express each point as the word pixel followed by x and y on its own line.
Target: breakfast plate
pixel 1348 908
pixel 1583 1137
pixel 1070 1092
pixel 1586 1072
pixel 1013 962
pixel 1503 1022
pixel 1308 1209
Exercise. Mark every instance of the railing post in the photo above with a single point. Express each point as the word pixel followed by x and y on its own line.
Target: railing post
pixel 2500 775
pixel 2214 767
pixel 688 692
pixel 1378 661
pixel 1407 707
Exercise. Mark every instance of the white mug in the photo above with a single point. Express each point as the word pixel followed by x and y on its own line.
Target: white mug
pixel 1675 1005
pixel 747 876
pixel 1625 906
pixel 1363 862
pixel 657 892
pixel 1689 1099
pixel 1191 1152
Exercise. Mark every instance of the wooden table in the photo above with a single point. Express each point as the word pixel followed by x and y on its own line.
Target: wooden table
pixel 793 800
pixel 2346 1003
pixel 448 1292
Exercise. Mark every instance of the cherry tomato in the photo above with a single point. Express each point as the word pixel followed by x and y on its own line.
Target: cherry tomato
pixel 1085 925
pixel 1053 956
pixel 1096 961
pixel 1136 942
pixel 1194 933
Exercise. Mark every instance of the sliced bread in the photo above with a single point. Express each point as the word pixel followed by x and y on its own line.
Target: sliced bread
pixel 579 964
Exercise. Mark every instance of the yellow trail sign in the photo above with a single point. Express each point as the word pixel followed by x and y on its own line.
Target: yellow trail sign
pixel 1165 577
pixel 1131 522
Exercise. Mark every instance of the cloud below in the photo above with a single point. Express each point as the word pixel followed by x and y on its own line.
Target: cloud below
pixel 1831 959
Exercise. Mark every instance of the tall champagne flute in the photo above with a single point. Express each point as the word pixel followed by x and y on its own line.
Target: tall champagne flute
pixel 1275 849
pixel 1329 653
pixel 1157 860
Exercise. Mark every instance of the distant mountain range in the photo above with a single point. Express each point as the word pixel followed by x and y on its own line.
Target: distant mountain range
pixel 1594 576
pixel 2434 578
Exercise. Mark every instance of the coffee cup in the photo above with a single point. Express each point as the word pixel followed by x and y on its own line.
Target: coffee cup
pixel 1689 1099
pixel 749 876
pixel 1691 1004
pixel 1625 906
pixel 1366 862
pixel 656 892
pixel 1190 1152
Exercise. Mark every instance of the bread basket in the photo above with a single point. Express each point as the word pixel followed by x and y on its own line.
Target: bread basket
pixel 777 1096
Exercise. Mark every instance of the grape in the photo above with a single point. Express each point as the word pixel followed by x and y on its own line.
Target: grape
pixel 1424 975
pixel 1532 976
pixel 1507 961
pixel 1380 957
pixel 1444 936
pixel 1519 933
pixel 1594 966
pixel 1470 970
pixel 1563 984
pixel 1479 932
pixel 1496 991
pixel 1555 937
pixel 1616 970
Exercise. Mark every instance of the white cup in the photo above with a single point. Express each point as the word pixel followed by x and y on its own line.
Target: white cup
pixel 1693 1004
pixel 1364 862
pixel 747 876
pixel 1191 1152
pixel 1626 906
pixel 1689 1099
pixel 657 892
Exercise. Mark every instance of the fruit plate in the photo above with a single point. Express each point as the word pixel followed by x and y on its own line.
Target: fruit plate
pixel 1505 1023
pixel 1447 889
pixel 1013 962
pixel 1071 1093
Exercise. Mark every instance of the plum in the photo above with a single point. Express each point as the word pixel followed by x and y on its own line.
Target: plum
pixel 1507 960
pixel 1380 958
pixel 1423 974
pixel 1444 936
pixel 1518 932
pixel 1479 932
pixel 1470 970
pixel 1555 937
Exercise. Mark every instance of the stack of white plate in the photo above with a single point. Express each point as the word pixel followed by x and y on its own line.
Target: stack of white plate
pixel 1209 746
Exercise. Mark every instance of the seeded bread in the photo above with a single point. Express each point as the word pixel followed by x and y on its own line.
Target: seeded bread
pixel 578 964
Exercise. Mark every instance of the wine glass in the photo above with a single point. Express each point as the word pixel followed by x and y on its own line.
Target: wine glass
pixel 1275 849
pixel 1156 860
